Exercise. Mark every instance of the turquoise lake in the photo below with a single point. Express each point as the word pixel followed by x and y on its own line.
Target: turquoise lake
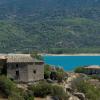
pixel 69 63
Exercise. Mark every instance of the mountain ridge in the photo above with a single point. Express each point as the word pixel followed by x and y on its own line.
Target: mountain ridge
pixel 46 24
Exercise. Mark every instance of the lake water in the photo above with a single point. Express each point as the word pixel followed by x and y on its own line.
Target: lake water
pixel 69 63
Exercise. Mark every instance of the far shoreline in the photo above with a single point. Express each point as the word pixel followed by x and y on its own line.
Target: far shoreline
pixel 77 54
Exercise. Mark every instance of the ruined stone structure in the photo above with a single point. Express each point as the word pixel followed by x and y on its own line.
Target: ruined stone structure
pixel 23 68
pixel 93 69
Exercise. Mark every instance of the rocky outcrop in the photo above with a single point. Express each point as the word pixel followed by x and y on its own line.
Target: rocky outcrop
pixel 73 98
pixel 72 94
pixel 81 96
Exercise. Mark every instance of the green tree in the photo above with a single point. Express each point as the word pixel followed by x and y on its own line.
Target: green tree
pixel 79 70
pixel 36 55
pixel 47 71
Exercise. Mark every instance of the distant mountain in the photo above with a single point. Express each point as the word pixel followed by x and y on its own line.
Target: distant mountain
pixel 27 25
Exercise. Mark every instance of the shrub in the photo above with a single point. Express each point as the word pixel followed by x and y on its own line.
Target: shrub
pixel 10 90
pixel 7 86
pixel 91 92
pixel 57 74
pixel 36 55
pixel 43 89
pixel 96 76
pixel 58 92
pixel 60 76
pixel 47 71
pixel 79 70
pixel 28 95
pixel 16 96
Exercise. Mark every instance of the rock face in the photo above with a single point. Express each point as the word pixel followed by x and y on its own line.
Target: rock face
pixel 73 95
pixel 74 98
pixel 81 96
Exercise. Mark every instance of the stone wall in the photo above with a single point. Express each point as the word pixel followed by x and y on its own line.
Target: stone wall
pixel 36 72
pixel 21 67
pixel 28 72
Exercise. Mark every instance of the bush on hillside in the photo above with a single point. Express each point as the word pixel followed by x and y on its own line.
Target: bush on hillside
pixel 28 95
pixel 43 89
pixel 58 74
pixel 79 70
pixel 58 92
pixel 36 55
pixel 91 92
pixel 9 89
pixel 7 86
pixel 96 76
pixel 47 71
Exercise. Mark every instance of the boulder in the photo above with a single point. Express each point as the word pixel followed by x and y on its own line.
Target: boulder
pixel 80 95
pixel 73 98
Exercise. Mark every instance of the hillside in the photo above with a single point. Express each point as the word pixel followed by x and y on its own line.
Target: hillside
pixel 47 25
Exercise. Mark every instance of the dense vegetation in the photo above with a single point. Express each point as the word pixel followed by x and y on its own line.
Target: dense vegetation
pixel 79 70
pixel 53 73
pixel 91 92
pixel 43 89
pixel 10 90
pixel 54 26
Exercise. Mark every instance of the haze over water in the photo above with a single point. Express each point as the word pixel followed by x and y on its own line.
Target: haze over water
pixel 69 63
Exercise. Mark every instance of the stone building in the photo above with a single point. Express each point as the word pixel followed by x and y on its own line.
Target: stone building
pixel 93 69
pixel 23 68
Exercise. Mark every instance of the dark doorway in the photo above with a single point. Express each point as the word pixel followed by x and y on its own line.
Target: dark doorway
pixel 17 74
pixel 17 66
pixel 34 71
